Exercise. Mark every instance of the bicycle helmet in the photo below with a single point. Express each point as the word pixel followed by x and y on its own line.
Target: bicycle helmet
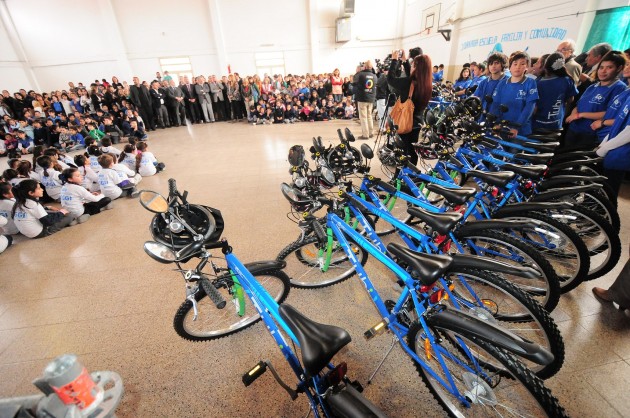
pixel 296 155
pixel 473 106
pixel 343 159
pixel 202 219
pixel 387 156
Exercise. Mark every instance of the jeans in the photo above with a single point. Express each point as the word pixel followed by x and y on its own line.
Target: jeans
pixel 365 117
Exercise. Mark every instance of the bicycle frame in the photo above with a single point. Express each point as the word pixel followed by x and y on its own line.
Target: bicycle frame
pixel 411 289
pixel 267 307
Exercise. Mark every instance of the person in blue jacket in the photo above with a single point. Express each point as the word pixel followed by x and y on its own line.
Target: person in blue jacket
pixel 556 90
pixel 497 63
pixel 594 102
pixel 463 82
pixel 519 94
pixel 478 73
pixel 615 149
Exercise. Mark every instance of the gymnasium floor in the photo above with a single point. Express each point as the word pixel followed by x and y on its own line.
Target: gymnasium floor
pixel 91 290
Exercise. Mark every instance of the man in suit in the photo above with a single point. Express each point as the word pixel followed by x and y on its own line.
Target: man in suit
pixel 190 100
pixel 141 99
pixel 158 101
pixel 175 102
pixel 226 103
pixel 216 88
pixel 205 101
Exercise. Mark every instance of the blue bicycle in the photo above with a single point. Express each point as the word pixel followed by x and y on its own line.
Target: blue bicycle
pixel 467 363
pixel 329 391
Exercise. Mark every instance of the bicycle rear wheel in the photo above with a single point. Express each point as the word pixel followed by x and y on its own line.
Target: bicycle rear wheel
pixel 603 243
pixel 595 200
pixel 505 248
pixel 559 245
pixel 213 323
pixel 493 299
pixel 493 381
pixel 306 268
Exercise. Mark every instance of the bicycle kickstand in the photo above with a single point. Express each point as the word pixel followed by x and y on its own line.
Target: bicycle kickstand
pixel 389 350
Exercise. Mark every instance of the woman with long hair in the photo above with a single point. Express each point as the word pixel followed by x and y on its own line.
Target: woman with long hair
pixel 420 77
pixel 463 82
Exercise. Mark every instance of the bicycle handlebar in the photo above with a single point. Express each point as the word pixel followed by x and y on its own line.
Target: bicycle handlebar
pixel 172 187
pixel 213 293
pixel 190 249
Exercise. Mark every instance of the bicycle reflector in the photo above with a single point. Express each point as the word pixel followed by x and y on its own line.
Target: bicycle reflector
pixel 257 371
pixel 337 374
pixel 377 329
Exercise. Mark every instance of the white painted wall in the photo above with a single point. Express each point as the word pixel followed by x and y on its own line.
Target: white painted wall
pixel 537 26
pixel 77 40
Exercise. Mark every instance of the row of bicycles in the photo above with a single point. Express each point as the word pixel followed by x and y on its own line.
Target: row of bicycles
pixel 480 245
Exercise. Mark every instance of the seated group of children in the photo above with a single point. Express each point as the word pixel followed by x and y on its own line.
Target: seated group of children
pixel 83 186
pixel 278 109
pixel 67 133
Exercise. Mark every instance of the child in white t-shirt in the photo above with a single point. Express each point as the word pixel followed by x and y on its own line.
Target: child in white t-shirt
pixel 107 148
pixel 6 207
pixel 90 178
pixel 146 163
pixel 49 177
pixel 128 157
pixel 30 217
pixel 113 183
pixel 93 152
pixel 5 240
pixel 122 169
pixel 77 200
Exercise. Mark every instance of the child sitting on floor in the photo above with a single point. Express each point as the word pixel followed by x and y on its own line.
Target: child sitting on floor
pixel 77 200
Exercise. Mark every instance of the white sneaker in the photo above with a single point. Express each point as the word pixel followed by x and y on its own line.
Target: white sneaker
pixel 73 223
pixel 109 206
pixel 83 218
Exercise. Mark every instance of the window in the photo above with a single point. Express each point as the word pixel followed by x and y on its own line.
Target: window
pixel 269 63
pixel 177 67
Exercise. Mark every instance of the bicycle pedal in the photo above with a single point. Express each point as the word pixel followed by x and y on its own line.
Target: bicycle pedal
pixel 377 329
pixel 355 384
pixel 253 374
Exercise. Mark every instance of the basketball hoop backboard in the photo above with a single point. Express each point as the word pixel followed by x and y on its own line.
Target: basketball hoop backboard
pixel 430 19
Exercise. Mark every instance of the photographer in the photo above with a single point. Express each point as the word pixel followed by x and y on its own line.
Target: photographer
pixel 365 93
pixel 413 53
pixel 421 77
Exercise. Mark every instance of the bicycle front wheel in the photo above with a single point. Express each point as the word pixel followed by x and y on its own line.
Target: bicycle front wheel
pixel 493 382
pixel 307 268
pixel 213 323
pixel 487 296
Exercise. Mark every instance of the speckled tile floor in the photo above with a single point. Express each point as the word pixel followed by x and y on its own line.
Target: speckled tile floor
pixel 91 290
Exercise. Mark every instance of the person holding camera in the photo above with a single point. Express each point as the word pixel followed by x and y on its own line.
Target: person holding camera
pixel 365 95
pixel 420 77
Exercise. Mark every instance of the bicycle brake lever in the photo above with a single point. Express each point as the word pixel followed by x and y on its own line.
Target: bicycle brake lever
pixel 190 295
